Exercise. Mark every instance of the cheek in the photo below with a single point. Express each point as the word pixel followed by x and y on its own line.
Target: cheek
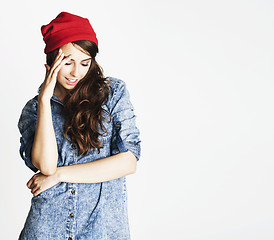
pixel 62 72
pixel 85 71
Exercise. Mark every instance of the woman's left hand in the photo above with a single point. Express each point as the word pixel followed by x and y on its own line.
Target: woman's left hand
pixel 40 182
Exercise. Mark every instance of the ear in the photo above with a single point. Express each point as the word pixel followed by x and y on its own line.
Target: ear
pixel 47 67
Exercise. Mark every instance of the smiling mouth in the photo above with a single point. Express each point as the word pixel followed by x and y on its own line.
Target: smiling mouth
pixel 71 81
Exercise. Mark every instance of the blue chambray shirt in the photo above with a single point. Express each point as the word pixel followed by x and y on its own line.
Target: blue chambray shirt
pixel 82 211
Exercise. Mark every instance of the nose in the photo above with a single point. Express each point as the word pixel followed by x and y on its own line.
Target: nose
pixel 74 71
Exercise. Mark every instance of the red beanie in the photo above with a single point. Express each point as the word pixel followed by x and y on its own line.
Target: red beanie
pixel 66 28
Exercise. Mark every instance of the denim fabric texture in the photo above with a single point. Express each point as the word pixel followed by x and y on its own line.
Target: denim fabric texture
pixel 82 211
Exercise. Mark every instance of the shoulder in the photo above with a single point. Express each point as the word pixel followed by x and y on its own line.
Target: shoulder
pixel 31 105
pixel 118 95
pixel 118 91
pixel 28 114
pixel 115 84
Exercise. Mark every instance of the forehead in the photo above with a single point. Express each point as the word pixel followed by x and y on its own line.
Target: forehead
pixel 75 51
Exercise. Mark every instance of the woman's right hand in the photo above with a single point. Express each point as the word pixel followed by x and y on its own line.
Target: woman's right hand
pixel 49 83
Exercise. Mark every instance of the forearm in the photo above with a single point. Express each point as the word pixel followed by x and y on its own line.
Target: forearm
pixel 44 150
pixel 102 170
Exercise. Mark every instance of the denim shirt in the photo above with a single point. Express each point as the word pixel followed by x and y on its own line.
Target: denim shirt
pixel 82 211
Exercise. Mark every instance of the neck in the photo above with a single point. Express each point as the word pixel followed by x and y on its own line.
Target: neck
pixel 60 92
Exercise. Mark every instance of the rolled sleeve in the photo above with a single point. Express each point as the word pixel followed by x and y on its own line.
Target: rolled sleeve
pixel 26 126
pixel 126 133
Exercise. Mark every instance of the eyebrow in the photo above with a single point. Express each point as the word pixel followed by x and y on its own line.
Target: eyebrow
pixel 81 60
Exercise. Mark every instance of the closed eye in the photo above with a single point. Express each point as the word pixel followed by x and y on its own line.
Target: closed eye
pixel 83 64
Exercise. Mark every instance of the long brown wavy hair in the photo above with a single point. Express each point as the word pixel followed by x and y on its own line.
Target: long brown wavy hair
pixel 83 104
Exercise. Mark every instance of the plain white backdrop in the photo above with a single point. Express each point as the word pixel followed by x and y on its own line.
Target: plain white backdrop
pixel 200 75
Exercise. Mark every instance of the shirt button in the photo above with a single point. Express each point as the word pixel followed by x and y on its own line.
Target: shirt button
pixel 71 215
pixel 72 191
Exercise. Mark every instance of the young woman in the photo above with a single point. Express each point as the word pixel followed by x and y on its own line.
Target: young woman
pixel 80 133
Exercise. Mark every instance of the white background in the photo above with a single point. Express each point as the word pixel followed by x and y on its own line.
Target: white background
pixel 200 76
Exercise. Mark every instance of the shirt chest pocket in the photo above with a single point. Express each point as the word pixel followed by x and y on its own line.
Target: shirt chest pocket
pixel 105 137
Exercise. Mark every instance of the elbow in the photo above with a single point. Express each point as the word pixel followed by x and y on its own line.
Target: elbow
pixel 48 171
pixel 43 163
pixel 133 167
pixel 133 170
pixel 132 163
pixel 44 169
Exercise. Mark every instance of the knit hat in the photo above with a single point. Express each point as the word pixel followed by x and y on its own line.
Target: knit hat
pixel 66 28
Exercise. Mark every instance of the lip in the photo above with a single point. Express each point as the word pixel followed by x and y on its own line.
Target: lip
pixel 71 83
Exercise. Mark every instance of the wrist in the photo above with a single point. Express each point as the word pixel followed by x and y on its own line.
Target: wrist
pixel 59 173
pixel 42 99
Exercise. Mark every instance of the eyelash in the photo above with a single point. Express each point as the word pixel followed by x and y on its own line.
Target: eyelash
pixel 83 64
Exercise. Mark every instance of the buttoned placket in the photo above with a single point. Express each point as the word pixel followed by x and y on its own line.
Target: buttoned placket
pixel 72 200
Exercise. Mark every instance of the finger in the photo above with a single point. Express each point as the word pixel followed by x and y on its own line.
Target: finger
pixel 36 188
pixel 58 58
pixel 32 185
pixel 61 64
pixel 62 58
pixel 36 193
pixel 49 68
pixel 56 67
pixel 29 183
pixel 57 63
pixel 60 52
